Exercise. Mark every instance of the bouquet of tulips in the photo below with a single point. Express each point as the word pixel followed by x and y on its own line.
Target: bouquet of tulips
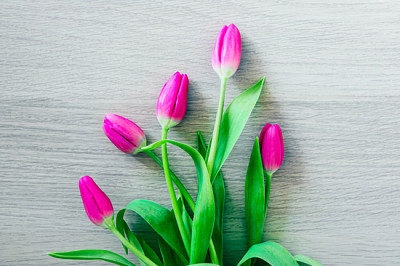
pixel 192 232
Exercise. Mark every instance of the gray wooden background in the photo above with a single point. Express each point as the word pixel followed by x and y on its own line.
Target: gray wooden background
pixel 332 70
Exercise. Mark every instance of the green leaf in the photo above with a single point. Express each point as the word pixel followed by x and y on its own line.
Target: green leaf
pixel 304 261
pixel 148 251
pixel 201 145
pixel 203 219
pixel 233 121
pixel 119 224
pixel 270 252
pixel 219 197
pixel 168 255
pixel 163 222
pixel 135 240
pixel 203 264
pixel 141 245
pixel 93 254
pixel 255 196
pixel 187 220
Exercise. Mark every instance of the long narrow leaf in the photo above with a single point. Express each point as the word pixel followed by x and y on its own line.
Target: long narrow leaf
pixel 148 251
pixel 270 252
pixel 141 245
pixel 217 236
pixel 119 223
pixel 219 197
pixel 255 197
pixel 187 220
pixel 201 145
pixel 168 255
pixel 233 121
pixel 203 219
pixel 93 254
pixel 163 222
pixel 305 261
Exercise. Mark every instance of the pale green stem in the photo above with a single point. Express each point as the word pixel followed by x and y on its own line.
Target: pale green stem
pixel 267 190
pixel 110 225
pixel 176 180
pixel 177 212
pixel 214 142
pixel 188 198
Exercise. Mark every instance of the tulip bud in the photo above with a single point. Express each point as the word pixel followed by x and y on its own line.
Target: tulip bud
pixel 271 145
pixel 123 133
pixel 227 51
pixel 172 102
pixel 97 205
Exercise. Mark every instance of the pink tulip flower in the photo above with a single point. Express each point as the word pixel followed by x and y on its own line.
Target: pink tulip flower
pixel 271 145
pixel 227 51
pixel 97 205
pixel 123 133
pixel 172 102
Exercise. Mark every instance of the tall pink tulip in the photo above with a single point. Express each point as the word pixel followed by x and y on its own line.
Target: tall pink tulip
pixel 123 133
pixel 272 149
pixel 227 51
pixel 97 205
pixel 172 102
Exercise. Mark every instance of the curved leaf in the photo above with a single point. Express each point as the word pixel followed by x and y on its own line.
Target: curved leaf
pixel 203 218
pixel 141 245
pixel 148 251
pixel 233 121
pixel 93 254
pixel 162 221
pixel 168 255
pixel 119 224
pixel 304 260
pixel 217 236
pixel 219 196
pixel 201 145
pixel 203 264
pixel 255 196
pixel 270 252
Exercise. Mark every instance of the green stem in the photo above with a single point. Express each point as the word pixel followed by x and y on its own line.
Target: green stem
pixel 214 142
pixel 267 191
pixel 188 198
pixel 213 253
pixel 176 180
pixel 110 225
pixel 178 214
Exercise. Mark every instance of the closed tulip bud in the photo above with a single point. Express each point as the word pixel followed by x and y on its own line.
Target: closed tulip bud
pixel 271 145
pixel 172 102
pixel 227 51
pixel 123 133
pixel 98 206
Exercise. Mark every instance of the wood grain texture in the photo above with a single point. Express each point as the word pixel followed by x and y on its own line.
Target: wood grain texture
pixel 333 81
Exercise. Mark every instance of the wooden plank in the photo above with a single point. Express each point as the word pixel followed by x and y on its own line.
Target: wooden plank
pixel 333 81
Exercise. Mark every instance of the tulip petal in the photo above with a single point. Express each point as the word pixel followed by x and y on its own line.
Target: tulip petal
pixel 216 57
pixel 272 148
pixel 123 133
pixel 167 98
pixel 231 51
pixel 262 134
pixel 181 100
pixel 92 209
pixel 101 199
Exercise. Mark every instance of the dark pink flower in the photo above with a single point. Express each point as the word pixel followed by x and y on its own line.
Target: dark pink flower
pixel 172 102
pixel 227 51
pixel 97 205
pixel 123 133
pixel 272 149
